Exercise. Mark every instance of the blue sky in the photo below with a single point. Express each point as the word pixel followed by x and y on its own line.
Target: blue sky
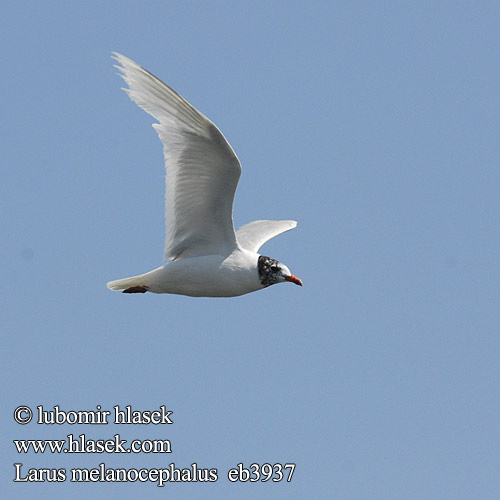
pixel 375 125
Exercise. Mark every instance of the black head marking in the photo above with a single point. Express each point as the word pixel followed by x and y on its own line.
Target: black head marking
pixel 269 270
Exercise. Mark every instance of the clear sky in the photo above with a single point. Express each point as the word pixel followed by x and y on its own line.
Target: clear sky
pixel 376 126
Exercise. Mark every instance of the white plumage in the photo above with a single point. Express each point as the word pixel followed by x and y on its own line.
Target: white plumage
pixel 202 171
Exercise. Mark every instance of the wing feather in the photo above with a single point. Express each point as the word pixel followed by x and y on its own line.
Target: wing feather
pixel 202 170
pixel 253 235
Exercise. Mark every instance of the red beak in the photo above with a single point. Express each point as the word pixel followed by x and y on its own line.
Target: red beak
pixel 294 279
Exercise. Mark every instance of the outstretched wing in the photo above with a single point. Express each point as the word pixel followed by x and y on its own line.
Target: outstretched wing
pixel 253 235
pixel 202 170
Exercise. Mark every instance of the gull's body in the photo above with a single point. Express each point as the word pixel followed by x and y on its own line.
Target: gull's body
pixel 208 258
pixel 207 275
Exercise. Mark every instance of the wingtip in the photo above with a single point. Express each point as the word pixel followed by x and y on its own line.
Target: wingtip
pixel 292 223
pixel 123 61
pixel 118 57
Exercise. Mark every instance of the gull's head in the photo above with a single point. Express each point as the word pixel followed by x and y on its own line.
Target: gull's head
pixel 271 272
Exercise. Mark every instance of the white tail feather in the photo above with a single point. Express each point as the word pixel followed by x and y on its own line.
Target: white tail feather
pixel 125 283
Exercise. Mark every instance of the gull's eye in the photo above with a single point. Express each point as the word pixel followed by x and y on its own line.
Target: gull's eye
pixel 275 269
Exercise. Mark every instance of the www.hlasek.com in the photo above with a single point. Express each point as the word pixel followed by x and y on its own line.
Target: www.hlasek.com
pixel 85 445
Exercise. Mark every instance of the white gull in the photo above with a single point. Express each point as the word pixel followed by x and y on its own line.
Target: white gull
pixel 207 257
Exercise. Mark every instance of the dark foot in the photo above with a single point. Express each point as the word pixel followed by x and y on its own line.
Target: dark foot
pixel 136 289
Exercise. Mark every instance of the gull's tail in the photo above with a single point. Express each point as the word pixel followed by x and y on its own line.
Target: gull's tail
pixel 134 284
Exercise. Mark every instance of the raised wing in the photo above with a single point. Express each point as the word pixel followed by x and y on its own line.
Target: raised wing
pixel 202 170
pixel 253 235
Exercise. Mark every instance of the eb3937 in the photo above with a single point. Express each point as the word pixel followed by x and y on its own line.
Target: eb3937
pixel 261 472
